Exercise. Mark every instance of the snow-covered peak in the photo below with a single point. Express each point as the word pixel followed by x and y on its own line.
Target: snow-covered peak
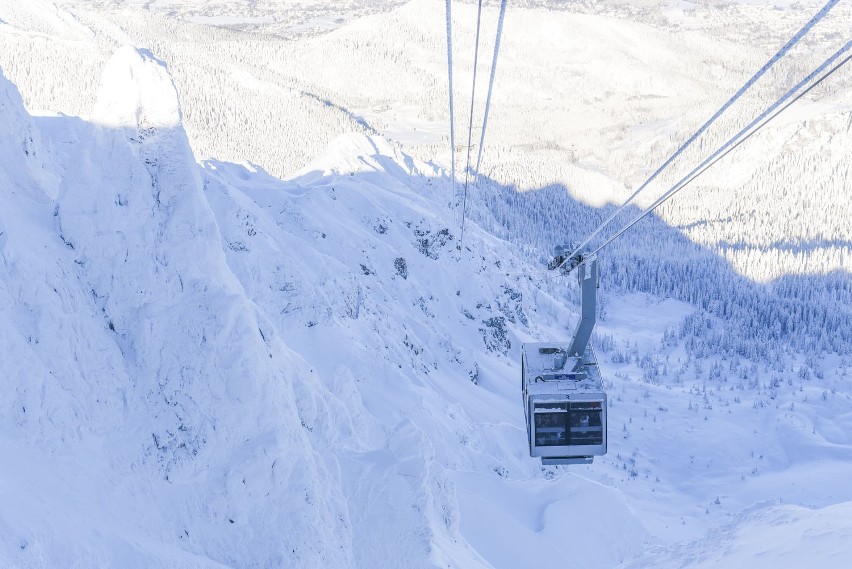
pixel 10 98
pixel 137 91
pixel 14 118
pixel 358 153
pixel 21 145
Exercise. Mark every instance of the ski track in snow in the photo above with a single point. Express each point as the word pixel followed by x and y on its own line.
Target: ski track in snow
pixel 208 365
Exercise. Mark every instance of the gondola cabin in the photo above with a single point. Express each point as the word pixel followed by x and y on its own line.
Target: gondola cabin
pixel 564 400
pixel 564 403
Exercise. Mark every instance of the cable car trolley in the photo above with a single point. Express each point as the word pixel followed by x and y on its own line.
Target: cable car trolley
pixel 564 400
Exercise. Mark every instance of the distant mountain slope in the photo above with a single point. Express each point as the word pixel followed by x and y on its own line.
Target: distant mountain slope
pixel 591 96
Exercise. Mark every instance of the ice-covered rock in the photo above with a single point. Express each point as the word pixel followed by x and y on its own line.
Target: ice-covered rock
pixel 136 91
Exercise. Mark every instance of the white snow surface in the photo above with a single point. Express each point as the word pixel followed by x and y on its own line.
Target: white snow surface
pixel 203 364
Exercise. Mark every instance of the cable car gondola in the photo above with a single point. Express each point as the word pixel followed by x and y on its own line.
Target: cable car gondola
pixel 564 399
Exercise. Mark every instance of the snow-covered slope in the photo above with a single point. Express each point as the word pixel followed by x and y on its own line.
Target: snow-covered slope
pixel 142 399
pixel 153 394
pixel 765 536
pixel 205 365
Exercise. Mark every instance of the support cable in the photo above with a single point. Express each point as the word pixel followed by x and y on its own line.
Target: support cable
pixel 490 87
pixel 774 59
pixel 452 108
pixel 770 113
pixel 470 124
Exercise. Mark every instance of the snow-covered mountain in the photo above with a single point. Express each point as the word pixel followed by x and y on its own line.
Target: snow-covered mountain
pixel 215 358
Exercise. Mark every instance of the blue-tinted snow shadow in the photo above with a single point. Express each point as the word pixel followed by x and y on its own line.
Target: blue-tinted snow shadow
pixel 809 313
pixel 792 246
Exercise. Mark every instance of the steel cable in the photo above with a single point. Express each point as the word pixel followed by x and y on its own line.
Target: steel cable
pixel 490 87
pixel 774 59
pixel 470 124
pixel 452 108
pixel 753 127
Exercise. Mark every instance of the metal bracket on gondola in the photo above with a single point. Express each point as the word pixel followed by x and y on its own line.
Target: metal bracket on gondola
pixel 562 261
